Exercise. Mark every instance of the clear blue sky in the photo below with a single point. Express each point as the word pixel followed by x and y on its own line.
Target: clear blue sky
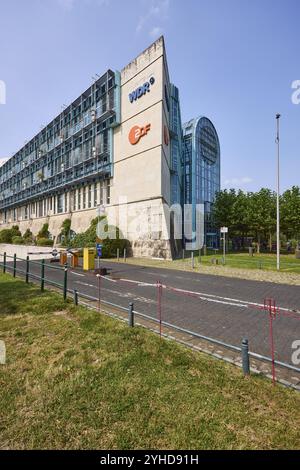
pixel 232 60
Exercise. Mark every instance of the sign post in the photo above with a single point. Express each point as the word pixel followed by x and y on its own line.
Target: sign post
pixel 99 254
pixel 224 230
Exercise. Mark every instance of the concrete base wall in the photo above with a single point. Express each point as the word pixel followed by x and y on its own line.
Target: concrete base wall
pixel 143 223
pixel 34 252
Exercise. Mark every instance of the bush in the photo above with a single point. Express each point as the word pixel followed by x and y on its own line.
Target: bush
pixel 110 246
pixel 44 242
pixel 7 234
pixel 15 232
pixel 65 232
pixel 44 232
pixel 28 234
pixel 18 240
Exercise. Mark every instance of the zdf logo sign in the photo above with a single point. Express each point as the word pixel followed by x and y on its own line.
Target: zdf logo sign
pixel 141 90
pixel 137 132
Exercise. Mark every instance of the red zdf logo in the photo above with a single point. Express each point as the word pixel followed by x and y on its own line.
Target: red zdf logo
pixel 137 132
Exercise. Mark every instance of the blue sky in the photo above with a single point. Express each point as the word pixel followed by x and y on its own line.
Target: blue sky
pixel 232 60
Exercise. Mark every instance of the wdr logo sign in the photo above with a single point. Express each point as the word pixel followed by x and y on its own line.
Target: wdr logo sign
pixel 141 90
pixel 2 92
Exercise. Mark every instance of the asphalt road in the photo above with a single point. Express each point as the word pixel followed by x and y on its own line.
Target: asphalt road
pixel 222 308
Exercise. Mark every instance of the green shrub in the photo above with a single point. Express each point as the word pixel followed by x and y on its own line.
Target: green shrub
pixel 44 242
pixel 110 246
pixel 44 232
pixel 5 236
pixel 18 240
pixel 15 232
pixel 65 232
pixel 28 234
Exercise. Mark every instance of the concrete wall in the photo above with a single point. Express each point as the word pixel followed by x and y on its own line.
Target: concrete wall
pixel 141 171
pixel 34 252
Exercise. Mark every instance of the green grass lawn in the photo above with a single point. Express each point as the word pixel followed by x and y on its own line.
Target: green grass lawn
pixel 78 379
pixel 237 261
pixel 288 263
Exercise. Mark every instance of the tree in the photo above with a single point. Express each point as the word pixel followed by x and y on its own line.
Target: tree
pixel 223 208
pixel 262 214
pixel 241 214
pixel 290 212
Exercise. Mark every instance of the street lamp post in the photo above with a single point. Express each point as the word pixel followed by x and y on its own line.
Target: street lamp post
pixel 278 191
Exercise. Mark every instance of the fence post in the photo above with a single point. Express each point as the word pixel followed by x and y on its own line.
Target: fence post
pixel 99 291
pixel 65 281
pixel 125 255
pixel 43 275
pixel 118 254
pixel 27 269
pixel 75 297
pixel 4 262
pixel 200 256
pixel 192 260
pixel 15 265
pixel 131 315
pixel 245 356
pixel 159 295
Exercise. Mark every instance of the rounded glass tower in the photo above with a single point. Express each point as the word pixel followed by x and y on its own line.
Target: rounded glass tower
pixel 202 172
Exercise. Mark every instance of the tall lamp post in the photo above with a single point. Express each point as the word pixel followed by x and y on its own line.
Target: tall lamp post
pixel 278 190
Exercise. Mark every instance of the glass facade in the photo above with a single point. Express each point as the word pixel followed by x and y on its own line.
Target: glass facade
pixel 201 150
pixel 75 148
pixel 175 128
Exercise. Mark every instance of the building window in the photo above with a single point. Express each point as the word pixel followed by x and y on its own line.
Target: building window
pixel 90 197
pixel 60 203
pixel 79 199
pixel 84 198
pixel 108 192
pixel 66 202
pixel 40 208
pixel 101 193
pixel 95 194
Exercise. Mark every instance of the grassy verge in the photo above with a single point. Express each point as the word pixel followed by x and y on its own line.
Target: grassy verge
pixel 263 261
pixel 259 267
pixel 77 379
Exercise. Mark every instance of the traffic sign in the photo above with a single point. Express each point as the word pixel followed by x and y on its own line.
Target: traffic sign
pixel 99 249
pixel 224 229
